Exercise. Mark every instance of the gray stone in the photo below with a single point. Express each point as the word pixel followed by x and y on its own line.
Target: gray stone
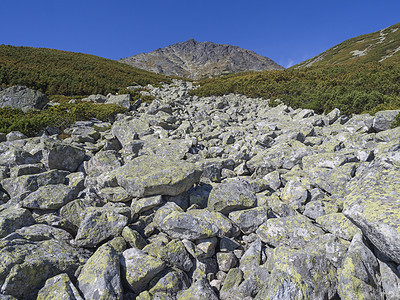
pixel 139 268
pixel 384 119
pixel 390 278
pixel 59 287
pixel 200 289
pixel 22 98
pixel 100 277
pixel 150 175
pixel 121 100
pixel 358 277
pixel 129 129
pixel 291 277
pixel 12 219
pixel 339 225
pixel 103 161
pixel 294 231
pixel 249 220
pixel 49 197
pixel 226 261
pixel 373 205
pixel 26 265
pixel 15 135
pixel 186 226
pixel 98 225
pixel 230 196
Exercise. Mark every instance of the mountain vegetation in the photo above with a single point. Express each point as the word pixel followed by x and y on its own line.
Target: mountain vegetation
pixel 366 82
pixel 379 46
pixel 56 72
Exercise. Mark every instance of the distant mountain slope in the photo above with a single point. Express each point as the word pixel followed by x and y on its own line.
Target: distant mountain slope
pixel 380 46
pixel 67 73
pixel 197 60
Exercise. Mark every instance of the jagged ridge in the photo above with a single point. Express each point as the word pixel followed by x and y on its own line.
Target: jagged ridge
pixel 196 60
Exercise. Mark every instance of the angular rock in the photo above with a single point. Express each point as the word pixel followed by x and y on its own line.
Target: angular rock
pixel 27 265
pixel 339 225
pixel 12 219
pixel 100 277
pixel 98 225
pixel 384 119
pixel 200 289
pixel 139 268
pixel 230 196
pixel 150 175
pixel 358 276
pixel 121 100
pixel 249 220
pixel 129 129
pixel 294 231
pixel 30 183
pixel 185 226
pixel 292 278
pixel 49 197
pixel 373 207
pixel 22 98
pixel 59 287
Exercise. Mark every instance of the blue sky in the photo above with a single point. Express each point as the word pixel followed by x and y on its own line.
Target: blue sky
pixel 286 31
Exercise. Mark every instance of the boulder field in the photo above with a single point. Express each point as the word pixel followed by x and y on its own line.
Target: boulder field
pixel 203 198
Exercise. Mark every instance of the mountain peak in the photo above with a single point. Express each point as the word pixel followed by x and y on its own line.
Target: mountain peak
pixel 193 59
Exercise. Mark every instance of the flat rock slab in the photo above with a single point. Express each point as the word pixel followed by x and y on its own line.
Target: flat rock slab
pixel 373 206
pixel 14 218
pixel 293 231
pixel 152 175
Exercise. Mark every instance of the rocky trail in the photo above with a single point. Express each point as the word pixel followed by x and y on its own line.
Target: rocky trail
pixel 203 198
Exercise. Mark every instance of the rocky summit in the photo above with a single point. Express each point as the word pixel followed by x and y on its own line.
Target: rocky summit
pixel 196 60
pixel 203 198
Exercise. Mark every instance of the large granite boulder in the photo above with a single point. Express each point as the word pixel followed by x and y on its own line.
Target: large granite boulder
pixel 22 98
pixel 373 205
pixel 152 175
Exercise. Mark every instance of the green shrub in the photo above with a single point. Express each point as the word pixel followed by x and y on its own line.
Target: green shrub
pixel 61 116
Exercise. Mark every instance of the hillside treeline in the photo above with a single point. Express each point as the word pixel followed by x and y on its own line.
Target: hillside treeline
pixel 56 72
pixel 353 88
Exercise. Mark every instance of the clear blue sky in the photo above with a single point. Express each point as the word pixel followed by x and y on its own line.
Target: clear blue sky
pixel 286 31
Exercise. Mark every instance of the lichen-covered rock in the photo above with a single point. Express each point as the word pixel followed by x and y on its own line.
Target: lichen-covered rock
pixel 100 277
pixel 151 175
pixel 26 265
pixel 39 232
pixel 231 195
pixel 12 219
pixel 133 238
pixel 169 282
pixel 292 278
pixel 30 183
pixel 103 161
pixel 185 226
pixel 200 289
pixel 249 220
pixel 49 197
pixel 59 287
pixel 293 231
pixel 22 98
pixel 226 261
pixel 144 204
pixel 59 155
pixel 251 259
pixel 174 254
pixel 121 100
pixel 320 207
pixel 128 129
pixel 114 194
pixel 98 225
pixel 373 206
pixel 223 223
pixel 12 155
pixel 231 284
pixel 339 225
pixel 295 194
pixel 390 278
pixel 358 276
pixel 384 119
pixel 139 268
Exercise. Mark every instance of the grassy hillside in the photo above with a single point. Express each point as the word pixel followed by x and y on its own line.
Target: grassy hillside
pixel 380 46
pixel 56 72
pixel 359 75
pixel 352 88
